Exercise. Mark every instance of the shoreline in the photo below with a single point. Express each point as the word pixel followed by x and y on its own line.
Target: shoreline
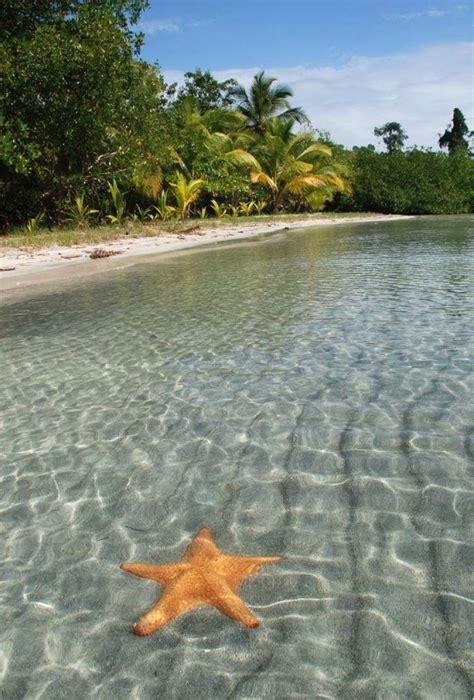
pixel 52 264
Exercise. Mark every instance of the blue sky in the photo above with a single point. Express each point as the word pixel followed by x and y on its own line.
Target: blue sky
pixel 352 64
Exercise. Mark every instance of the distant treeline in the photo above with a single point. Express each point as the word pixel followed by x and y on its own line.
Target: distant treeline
pixel 89 132
pixel 415 181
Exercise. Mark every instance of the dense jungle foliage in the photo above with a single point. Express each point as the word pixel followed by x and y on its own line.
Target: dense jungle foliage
pixel 89 132
pixel 415 181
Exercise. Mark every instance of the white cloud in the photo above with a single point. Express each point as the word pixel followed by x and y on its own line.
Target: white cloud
pixel 200 23
pixel 171 25
pixel 155 26
pixel 419 89
pixel 408 16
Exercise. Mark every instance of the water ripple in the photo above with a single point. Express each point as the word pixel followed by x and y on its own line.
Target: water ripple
pixel 308 395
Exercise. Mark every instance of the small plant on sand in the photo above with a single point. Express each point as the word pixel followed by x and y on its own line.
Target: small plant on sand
pixel 202 213
pixel 118 203
pixel 164 210
pixel 233 210
pixel 35 222
pixel 260 207
pixel 246 208
pixel 79 214
pixel 219 210
pixel 185 193
pixel 142 215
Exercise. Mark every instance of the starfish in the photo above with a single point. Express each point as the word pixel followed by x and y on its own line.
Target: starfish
pixel 204 576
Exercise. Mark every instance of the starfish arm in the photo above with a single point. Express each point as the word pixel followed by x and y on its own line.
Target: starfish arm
pixel 161 573
pixel 227 602
pixel 234 569
pixel 202 548
pixel 174 601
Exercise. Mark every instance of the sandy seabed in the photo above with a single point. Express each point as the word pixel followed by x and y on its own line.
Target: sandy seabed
pixel 305 394
pixel 20 267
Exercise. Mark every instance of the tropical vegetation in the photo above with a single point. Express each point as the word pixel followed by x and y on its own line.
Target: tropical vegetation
pixel 90 133
pixel 265 101
pixel 415 181
pixel 455 138
pixel 293 167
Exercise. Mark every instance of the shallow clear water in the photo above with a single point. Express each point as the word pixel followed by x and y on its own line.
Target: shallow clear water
pixel 308 394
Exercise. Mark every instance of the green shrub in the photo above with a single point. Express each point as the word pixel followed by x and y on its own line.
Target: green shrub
pixel 411 182
pixel 76 110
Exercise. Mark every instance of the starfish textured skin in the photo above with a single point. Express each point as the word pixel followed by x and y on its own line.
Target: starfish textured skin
pixel 204 576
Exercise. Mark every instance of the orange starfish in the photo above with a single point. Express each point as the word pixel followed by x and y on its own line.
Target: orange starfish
pixel 204 576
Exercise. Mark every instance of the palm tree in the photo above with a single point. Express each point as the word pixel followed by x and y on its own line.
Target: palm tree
pixel 264 101
pixel 185 193
pixel 232 149
pixel 213 132
pixel 294 165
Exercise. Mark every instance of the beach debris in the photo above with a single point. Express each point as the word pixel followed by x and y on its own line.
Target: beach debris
pixel 193 229
pixel 70 257
pixel 102 253
pixel 7 269
pixel 204 576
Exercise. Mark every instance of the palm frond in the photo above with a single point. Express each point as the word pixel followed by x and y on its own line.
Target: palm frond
pixel 238 156
pixel 335 180
pixel 295 113
pixel 239 92
pixel 261 178
pixel 316 149
pixel 281 92
pixel 222 120
pixel 304 183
